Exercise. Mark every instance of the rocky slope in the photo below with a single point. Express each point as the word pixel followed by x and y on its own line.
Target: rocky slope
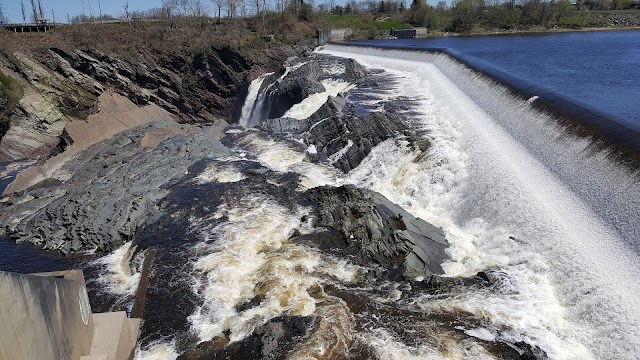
pixel 62 86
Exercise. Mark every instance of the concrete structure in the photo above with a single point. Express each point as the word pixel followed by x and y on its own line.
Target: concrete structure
pixel 37 27
pixel 403 33
pixel 48 316
pixel 328 35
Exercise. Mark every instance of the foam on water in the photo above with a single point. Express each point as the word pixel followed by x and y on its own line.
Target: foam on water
pixel 158 350
pixel 116 275
pixel 219 173
pixel 498 168
pixel 281 156
pixel 249 255
pixel 387 347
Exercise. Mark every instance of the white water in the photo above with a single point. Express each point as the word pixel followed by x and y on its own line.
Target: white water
pixel 250 101
pixel 566 282
pixel 498 169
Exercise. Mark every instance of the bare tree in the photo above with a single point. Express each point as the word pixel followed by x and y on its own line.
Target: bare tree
pixel 197 8
pixel 126 10
pixel 35 10
pixel 3 19
pixel 332 4
pixel 24 14
pixel 40 9
pixel 219 5
pixel 169 7
pixel 232 7
pixel 243 8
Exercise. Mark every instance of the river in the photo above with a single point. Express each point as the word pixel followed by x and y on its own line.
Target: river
pixel 553 224
pixel 596 68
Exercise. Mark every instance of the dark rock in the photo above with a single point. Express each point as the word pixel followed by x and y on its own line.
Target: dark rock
pixel 114 186
pixel 378 231
pixel 346 141
pixel 306 80
pixel 271 341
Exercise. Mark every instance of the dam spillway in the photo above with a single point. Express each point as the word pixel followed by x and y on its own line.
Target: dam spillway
pixel 505 167
pixel 370 204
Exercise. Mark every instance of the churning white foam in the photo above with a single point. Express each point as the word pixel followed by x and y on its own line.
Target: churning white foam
pixel 281 156
pixel 116 275
pixel 219 174
pixel 249 255
pixel 496 170
pixel 157 350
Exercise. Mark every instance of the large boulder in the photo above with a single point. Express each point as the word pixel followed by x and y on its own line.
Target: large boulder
pixel 111 188
pixel 295 85
pixel 379 231
pixel 271 341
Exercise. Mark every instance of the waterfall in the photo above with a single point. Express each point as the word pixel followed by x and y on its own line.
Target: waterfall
pixel 500 168
pixel 250 102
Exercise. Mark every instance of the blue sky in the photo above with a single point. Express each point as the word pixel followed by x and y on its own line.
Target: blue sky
pixel 11 8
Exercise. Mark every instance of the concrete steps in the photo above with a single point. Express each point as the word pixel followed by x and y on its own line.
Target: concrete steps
pixel 113 328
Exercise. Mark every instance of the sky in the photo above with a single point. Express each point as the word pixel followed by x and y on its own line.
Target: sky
pixel 61 8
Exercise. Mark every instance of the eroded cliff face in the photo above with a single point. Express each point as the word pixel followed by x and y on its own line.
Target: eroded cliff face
pixel 64 85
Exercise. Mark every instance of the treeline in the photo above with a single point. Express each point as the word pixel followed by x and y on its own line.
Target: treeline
pixel 464 15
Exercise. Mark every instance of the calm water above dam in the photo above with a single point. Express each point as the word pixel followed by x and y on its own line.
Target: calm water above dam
pixel 600 69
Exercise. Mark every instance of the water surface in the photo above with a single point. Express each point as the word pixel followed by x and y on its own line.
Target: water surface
pixel 596 68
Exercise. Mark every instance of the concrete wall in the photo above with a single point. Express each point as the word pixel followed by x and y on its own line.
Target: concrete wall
pixel 328 35
pixel 403 33
pixel 44 317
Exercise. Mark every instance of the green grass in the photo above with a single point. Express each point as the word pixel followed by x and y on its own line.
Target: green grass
pixel 360 22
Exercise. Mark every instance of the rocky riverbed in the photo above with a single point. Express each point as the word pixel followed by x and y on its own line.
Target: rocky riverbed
pixel 264 246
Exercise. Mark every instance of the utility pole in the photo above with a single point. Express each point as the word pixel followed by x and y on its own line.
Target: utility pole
pixel 100 8
pixel 83 13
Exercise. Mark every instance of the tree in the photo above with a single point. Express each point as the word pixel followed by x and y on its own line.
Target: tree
pixel 40 8
pixel 563 8
pixel 3 19
pixel 232 7
pixel 401 8
pixel 35 10
pixel 219 5
pixel 417 4
pixel 442 6
pixel 466 13
pixel 353 5
pixel 24 15
pixel 169 7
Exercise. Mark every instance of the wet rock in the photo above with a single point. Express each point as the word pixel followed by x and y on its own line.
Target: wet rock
pixel 346 141
pixel 112 188
pixel 379 231
pixel 271 341
pixel 306 80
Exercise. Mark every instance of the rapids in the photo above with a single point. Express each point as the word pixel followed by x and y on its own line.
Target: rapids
pixel 553 225
pixel 517 194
